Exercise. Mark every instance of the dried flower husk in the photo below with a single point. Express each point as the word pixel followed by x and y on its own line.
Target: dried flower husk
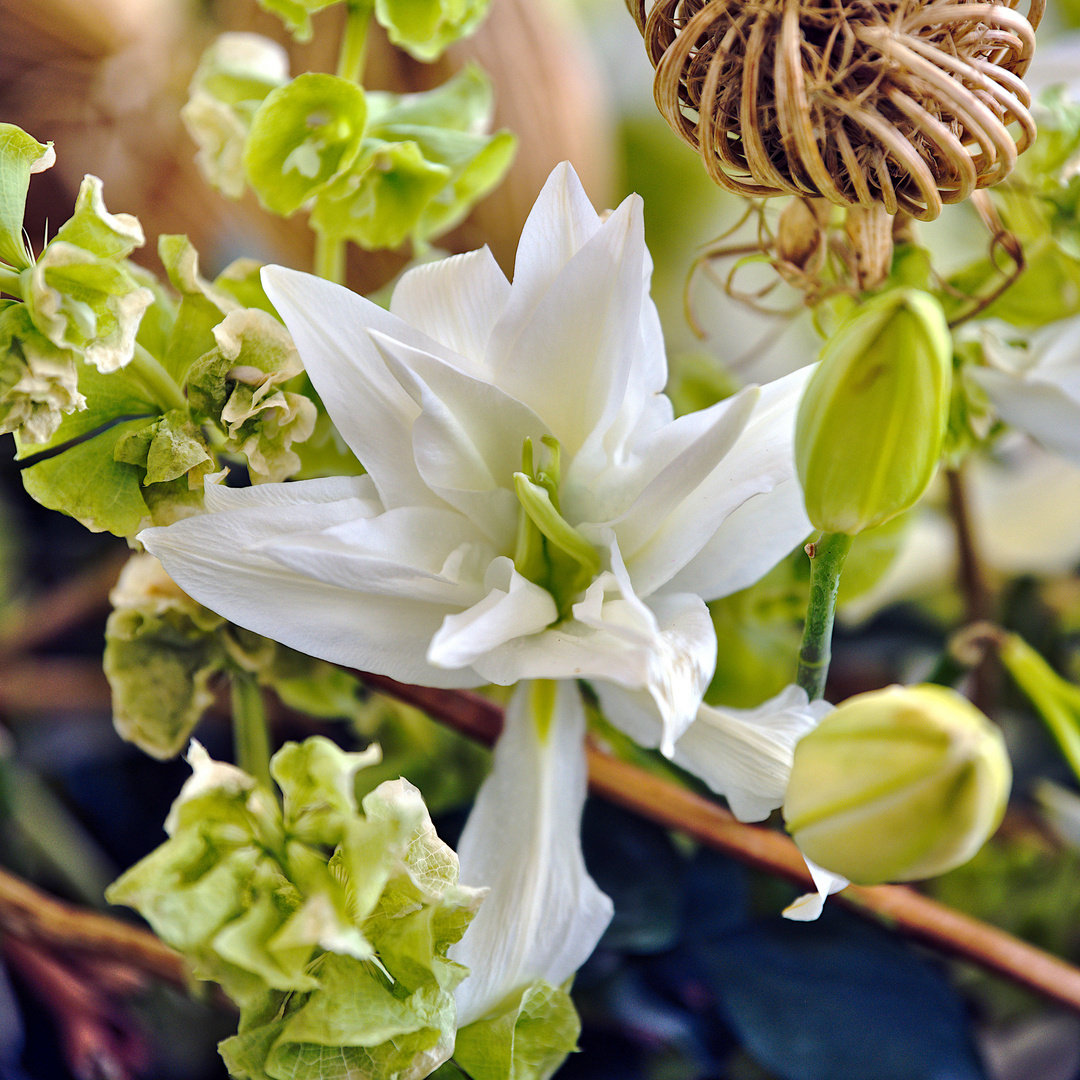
pixel 905 104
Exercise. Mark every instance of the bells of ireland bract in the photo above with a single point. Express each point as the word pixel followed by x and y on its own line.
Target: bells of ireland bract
pixel 898 784
pixel 872 421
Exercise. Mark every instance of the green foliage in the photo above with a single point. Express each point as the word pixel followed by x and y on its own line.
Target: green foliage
pixel 296 14
pixel 240 385
pixel 328 926
pixel 20 155
pixel 233 78
pixel 162 649
pixel 424 28
pixel 160 654
pixel 302 136
pixel 38 381
pixel 1040 205
pixel 424 162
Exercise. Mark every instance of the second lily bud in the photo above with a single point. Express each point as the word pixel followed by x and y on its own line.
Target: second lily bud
pixel 898 784
pixel 872 422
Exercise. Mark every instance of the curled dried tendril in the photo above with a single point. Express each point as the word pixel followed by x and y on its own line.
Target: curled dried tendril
pixel 905 104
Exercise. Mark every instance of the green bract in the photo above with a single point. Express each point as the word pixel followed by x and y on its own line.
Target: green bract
pixel 82 301
pixel 38 381
pixel 424 162
pixel 92 228
pixel 328 926
pixel 233 78
pixel 160 654
pixel 424 28
pixel 872 421
pixel 20 155
pixel 528 1040
pixel 239 384
pixel 303 135
pixel 84 479
pixel 898 784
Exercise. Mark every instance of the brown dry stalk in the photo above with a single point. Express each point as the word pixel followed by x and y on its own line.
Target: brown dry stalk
pixel 905 104
pixel 915 916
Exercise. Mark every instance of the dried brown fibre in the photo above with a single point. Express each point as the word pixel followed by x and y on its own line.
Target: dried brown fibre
pixel 904 104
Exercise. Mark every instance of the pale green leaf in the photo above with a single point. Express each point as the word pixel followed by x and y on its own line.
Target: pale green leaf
pixel 528 1040
pixel 20 155
pixel 424 28
pixel 303 135
pixel 93 228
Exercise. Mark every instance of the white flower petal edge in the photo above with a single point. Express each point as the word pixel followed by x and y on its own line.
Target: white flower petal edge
pixel 1037 389
pixel 744 755
pixel 544 914
pixel 809 906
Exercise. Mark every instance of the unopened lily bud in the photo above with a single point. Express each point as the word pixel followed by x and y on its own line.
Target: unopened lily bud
pixel 898 784
pixel 872 421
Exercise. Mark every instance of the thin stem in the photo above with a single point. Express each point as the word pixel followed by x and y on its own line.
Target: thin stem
pixel 10 282
pixel 148 370
pixel 330 258
pixel 352 55
pixel 911 914
pixel 251 740
pixel 826 561
pixel 976 592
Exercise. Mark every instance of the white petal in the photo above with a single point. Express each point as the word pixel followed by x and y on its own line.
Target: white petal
pixel 746 754
pixel 544 914
pixel 221 559
pixel 561 221
pixel 455 301
pixel 415 553
pixel 1047 410
pixel 809 906
pixel 513 607
pixel 468 439
pixel 567 352
pixel 764 528
pixel 686 496
pixel 330 325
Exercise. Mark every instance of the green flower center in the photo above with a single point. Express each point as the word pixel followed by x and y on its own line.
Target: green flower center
pixel 549 551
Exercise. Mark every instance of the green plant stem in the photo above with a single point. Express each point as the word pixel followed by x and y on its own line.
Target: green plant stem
pixel 826 561
pixel 352 54
pixel 251 740
pixel 10 282
pixel 148 370
pixel 330 258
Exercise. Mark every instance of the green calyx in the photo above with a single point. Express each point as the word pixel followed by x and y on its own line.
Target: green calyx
pixel 549 550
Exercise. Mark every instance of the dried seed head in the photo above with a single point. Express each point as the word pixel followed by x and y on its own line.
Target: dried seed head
pixel 899 103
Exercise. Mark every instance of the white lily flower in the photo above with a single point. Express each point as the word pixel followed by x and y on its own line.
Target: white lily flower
pixel 531 510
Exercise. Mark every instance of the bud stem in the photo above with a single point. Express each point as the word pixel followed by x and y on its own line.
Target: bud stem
pixel 10 282
pixel 826 561
pixel 161 385
pixel 251 742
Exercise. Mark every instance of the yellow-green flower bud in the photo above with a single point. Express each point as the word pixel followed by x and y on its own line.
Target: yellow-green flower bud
pixel 872 421
pixel 898 784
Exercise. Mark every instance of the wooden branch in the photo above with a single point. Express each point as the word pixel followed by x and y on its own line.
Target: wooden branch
pixel 909 912
pixel 30 915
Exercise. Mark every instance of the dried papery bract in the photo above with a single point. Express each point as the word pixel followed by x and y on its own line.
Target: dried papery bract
pixel 902 104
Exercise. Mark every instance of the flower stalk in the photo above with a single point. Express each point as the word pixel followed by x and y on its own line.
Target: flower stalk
pixel 251 738
pixel 827 557
pixel 161 385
